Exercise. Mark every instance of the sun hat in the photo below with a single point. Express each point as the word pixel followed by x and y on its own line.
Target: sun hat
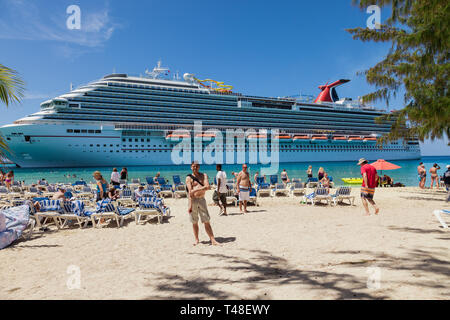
pixel 361 161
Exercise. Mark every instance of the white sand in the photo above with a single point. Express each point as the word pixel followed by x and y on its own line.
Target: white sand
pixel 280 250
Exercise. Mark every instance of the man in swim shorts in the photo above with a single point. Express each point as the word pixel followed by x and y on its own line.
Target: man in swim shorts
pixel 197 185
pixel 370 178
pixel 243 186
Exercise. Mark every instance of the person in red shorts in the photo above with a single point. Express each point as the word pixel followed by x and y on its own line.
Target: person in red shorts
pixel 370 180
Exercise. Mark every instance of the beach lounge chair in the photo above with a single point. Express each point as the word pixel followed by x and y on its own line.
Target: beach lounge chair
pixel 231 197
pixel 73 211
pixel 312 183
pixel 166 190
pixel 32 193
pixel 298 189
pixel 107 210
pixel 260 180
pixel 136 181
pixel 123 182
pixel 150 181
pixel 161 181
pixel 341 194
pixel 438 213
pixel 151 206
pixel 126 198
pixel 263 190
pixel 49 212
pixel 318 195
pixel 177 180
pixel 280 189
pixel 50 191
pixel 253 197
pixel 180 191
pixel 3 193
pixel 273 180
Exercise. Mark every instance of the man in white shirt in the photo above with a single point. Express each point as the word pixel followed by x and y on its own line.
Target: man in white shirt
pixel 115 177
pixel 221 179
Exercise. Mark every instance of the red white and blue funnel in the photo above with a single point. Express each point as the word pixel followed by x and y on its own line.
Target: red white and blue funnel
pixel 328 93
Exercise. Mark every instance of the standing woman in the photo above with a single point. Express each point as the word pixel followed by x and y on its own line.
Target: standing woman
pixel 115 178
pixel 434 175
pixel 9 179
pixel 309 172
pixel 124 174
pixel 320 173
pixel 102 186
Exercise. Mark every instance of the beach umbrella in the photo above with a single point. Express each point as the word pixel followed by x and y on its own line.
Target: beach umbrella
pixel 381 165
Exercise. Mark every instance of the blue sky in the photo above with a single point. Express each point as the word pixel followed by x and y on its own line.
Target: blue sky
pixel 261 48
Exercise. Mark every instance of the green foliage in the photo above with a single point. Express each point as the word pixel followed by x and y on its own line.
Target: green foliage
pixel 12 89
pixel 418 62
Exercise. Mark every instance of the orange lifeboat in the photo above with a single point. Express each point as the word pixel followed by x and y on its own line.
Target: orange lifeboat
pixel 319 138
pixel 355 139
pixel 283 137
pixel 299 138
pixel 177 136
pixel 370 139
pixel 339 138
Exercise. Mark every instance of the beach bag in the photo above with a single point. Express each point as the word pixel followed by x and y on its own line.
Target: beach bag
pixel 13 222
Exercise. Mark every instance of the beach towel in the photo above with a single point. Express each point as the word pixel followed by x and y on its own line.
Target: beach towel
pixel 13 222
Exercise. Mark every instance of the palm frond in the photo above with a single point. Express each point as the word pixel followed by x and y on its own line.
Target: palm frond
pixel 12 87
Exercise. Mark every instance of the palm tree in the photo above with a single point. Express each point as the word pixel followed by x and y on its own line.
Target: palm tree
pixel 12 89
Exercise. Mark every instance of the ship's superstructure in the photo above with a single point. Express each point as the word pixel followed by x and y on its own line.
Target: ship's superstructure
pixel 125 120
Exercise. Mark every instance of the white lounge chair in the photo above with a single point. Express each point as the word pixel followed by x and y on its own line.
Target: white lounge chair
pixel 69 214
pixel 298 189
pixel 49 211
pixel 153 207
pixel 263 190
pixel 280 189
pixel 341 194
pixel 180 191
pixel 112 212
pixel 438 213
pixel 318 195
pixel 231 197
pixel 166 191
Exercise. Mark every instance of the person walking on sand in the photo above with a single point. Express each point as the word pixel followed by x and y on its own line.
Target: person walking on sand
pixel 221 190
pixel 370 178
pixel 9 179
pixel 102 186
pixel 434 175
pixel 422 172
pixel 124 174
pixel 197 184
pixel 115 178
pixel 243 187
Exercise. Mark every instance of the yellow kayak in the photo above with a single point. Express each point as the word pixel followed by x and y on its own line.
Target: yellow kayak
pixel 352 180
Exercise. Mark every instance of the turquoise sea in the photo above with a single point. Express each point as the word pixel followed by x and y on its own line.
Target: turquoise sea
pixel 338 170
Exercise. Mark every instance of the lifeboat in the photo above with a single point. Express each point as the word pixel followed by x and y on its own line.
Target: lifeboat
pixel 355 139
pixel 301 138
pixel 283 138
pixel 339 139
pixel 177 136
pixel 319 138
pixel 370 139
pixel 256 136
pixel 205 136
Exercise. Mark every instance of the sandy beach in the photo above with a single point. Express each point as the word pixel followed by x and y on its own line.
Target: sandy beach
pixel 280 250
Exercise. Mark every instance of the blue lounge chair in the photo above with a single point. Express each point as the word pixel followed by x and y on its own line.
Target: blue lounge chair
pixel 280 189
pixel 177 180
pixel 260 180
pixel 263 190
pixel 161 181
pixel 150 181
pixel 107 210
pixel 298 188
pixel 166 190
pixel 312 182
pixel 273 179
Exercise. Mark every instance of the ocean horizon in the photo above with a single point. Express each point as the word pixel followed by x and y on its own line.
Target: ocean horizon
pixel 407 174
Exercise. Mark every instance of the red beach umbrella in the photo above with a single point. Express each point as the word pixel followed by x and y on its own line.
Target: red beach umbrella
pixel 381 164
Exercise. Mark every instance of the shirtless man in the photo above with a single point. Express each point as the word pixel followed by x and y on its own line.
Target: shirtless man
pixel 197 185
pixel 434 175
pixel 422 175
pixel 243 187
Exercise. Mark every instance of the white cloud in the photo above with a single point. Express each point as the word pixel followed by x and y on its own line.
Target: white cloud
pixel 24 20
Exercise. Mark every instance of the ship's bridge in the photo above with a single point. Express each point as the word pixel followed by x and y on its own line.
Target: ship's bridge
pixel 56 103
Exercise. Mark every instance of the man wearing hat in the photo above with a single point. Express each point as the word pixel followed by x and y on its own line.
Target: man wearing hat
pixel 370 178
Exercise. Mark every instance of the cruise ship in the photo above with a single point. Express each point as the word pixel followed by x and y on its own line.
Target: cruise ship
pixel 123 120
